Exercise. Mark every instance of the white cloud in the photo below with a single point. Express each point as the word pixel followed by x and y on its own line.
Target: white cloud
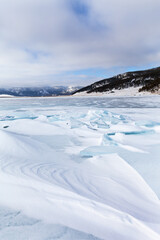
pixel 40 40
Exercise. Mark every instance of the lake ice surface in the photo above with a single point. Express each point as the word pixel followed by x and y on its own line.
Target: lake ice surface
pixel 78 168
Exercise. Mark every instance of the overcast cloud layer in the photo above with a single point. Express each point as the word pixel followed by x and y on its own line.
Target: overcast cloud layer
pixel 63 42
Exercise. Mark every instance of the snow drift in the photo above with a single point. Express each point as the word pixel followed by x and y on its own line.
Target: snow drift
pixel 79 173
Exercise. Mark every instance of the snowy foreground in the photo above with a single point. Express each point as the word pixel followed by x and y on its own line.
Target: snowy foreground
pixel 80 168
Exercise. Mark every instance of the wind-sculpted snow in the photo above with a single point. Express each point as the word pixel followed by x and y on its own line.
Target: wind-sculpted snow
pixel 79 172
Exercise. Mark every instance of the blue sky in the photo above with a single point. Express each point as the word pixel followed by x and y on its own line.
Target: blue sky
pixel 76 42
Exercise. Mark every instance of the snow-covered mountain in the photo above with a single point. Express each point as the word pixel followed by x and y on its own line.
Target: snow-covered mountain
pixel 38 91
pixel 147 80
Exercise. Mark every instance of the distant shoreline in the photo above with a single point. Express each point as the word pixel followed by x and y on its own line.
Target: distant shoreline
pixel 126 92
pixel 85 96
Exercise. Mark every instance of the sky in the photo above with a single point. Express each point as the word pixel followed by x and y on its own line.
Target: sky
pixel 76 42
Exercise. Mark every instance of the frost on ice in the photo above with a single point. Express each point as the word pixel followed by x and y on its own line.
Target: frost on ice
pixel 79 169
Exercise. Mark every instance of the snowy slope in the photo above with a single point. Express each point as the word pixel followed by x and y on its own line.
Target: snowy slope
pixel 145 81
pixel 74 169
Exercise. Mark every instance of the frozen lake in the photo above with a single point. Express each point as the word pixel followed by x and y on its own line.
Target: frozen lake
pixel 80 168
pixel 93 102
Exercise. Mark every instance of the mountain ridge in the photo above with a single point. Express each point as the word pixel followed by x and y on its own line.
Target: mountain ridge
pixel 146 80
pixel 38 91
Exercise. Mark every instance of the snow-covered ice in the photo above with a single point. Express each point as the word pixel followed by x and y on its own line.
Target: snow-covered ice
pixel 78 168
